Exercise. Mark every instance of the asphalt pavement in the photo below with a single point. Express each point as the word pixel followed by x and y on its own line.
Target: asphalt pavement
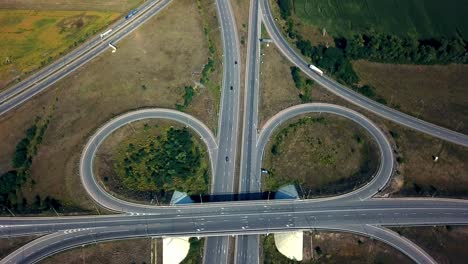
pixel 248 217
pixel 217 249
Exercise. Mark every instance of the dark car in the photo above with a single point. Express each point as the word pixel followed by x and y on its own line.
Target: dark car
pixel 227 158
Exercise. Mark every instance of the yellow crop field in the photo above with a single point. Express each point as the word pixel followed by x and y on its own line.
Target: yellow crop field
pixel 31 39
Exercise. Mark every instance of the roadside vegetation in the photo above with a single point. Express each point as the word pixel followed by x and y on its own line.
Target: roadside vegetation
pixel 158 158
pixel 303 84
pixel 32 39
pixel 333 247
pixel 321 154
pixel 210 75
pixel 15 182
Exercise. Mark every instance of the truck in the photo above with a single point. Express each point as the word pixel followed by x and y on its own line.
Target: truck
pixel 131 13
pixel 105 33
pixel 315 69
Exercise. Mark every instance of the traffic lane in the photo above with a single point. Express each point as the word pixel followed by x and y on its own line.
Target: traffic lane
pixel 216 250
pixel 385 170
pixel 247 249
pixel 352 96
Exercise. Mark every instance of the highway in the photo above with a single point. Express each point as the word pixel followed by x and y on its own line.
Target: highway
pixel 246 217
pixel 44 78
pixel 247 247
pixel 351 96
pixel 217 248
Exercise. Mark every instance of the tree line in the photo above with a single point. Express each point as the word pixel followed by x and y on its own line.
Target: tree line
pixel 373 46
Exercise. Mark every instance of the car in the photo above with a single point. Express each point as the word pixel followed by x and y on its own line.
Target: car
pixel 232 88
pixel 227 158
pixel 235 62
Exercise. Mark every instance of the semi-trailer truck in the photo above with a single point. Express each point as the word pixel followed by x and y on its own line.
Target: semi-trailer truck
pixel 131 13
pixel 315 69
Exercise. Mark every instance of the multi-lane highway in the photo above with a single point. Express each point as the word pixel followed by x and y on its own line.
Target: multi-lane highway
pixel 44 78
pixel 217 248
pixel 247 247
pixel 348 94
pixel 215 219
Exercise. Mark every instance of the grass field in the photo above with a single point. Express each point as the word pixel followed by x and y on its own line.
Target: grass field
pixel 418 18
pixel 165 54
pixel 324 154
pixel 31 39
pixel 331 247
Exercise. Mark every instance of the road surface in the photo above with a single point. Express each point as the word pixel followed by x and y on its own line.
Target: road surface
pixel 217 249
pixel 247 217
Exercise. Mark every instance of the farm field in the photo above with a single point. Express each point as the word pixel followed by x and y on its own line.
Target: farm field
pixel 31 38
pixel 417 18
pixel 166 54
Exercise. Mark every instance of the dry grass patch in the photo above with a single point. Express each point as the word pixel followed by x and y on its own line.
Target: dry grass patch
pixel 436 93
pixel 277 91
pixel 115 252
pixel 446 244
pixel 150 69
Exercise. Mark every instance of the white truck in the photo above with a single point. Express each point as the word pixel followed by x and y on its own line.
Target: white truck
pixel 316 70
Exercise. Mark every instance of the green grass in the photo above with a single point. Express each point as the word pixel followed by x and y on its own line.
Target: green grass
pixel 417 18
pixel 31 39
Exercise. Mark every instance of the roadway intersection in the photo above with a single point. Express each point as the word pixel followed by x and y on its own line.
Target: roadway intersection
pixel 354 212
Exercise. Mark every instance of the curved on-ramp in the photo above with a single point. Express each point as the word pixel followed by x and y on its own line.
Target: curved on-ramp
pixel 87 158
pixel 385 171
pixel 352 96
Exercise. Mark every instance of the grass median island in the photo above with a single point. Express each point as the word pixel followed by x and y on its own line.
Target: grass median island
pixel 322 154
pixel 32 39
pixel 153 160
